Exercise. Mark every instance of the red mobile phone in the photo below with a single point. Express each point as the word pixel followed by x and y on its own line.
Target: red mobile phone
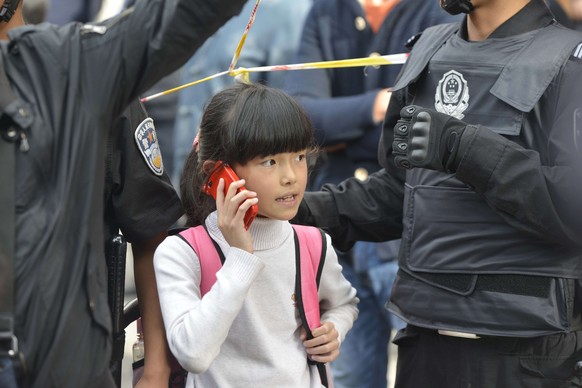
pixel 224 171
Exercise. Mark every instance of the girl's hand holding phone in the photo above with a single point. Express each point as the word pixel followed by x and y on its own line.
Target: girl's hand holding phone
pixel 232 208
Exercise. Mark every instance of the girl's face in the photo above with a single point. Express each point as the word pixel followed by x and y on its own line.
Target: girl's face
pixel 279 181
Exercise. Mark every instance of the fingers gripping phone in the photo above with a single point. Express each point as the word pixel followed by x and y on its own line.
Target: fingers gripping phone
pixel 224 171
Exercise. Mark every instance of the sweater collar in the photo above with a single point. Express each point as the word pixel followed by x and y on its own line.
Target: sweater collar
pixel 267 233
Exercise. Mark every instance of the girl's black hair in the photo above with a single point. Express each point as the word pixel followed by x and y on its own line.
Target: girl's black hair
pixel 241 123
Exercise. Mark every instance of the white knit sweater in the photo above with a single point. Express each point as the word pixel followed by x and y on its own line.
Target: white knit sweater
pixel 245 331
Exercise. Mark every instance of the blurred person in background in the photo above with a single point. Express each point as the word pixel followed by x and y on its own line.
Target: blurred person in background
pixel 272 40
pixel 64 11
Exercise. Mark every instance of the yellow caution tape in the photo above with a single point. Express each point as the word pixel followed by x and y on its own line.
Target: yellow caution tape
pixel 243 73
pixel 243 39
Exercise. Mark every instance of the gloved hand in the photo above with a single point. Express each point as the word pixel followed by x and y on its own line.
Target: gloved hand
pixel 428 139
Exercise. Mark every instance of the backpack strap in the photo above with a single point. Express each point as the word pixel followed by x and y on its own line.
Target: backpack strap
pixel 209 254
pixel 309 264
pixel 310 253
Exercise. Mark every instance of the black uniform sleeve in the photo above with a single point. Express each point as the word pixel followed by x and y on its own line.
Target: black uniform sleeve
pixel 536 192
pixel 362 211
pixel 355 210
pixel 142 202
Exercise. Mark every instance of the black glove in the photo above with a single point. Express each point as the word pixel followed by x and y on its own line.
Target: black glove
pixel 428 139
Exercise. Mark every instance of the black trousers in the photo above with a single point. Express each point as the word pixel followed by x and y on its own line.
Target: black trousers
pixel 427 359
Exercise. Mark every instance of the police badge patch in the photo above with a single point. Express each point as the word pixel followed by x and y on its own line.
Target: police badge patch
pixel 452 95
pixel 147 142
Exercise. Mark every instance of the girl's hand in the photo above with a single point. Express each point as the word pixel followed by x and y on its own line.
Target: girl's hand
pixel 231 212
pixel 324 346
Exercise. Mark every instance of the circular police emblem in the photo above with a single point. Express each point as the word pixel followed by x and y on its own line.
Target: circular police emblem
pixel 452 95
pixel 147 142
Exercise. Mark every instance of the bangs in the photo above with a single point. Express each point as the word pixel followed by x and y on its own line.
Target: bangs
pixel 266 121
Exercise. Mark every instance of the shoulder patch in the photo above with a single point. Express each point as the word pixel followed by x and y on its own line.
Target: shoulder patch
pixel 147 142
pixel 577 53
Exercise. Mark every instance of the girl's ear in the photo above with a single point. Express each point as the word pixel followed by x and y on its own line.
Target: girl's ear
pixel 208 166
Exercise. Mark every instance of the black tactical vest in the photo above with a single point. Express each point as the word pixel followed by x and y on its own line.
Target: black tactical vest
pixel 462 266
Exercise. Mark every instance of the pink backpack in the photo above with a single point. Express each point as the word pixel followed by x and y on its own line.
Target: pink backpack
pixel 310 252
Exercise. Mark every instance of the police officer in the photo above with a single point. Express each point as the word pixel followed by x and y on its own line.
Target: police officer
pixel 69 83
pixel 482 126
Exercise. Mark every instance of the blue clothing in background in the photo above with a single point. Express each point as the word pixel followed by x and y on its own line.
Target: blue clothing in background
pixel 340 101
pixel 366 348
pixel 272 40
pixel 64 11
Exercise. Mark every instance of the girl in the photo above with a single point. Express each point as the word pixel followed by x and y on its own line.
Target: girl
pixel 246 331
